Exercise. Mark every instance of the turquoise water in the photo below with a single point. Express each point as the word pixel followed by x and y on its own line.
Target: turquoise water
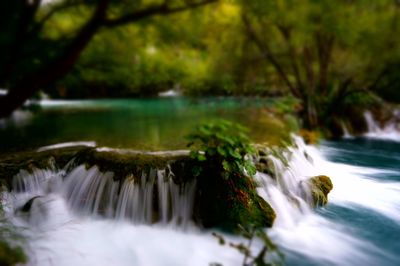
pixel 359 226
pixel 372 213
pixel 150 124
pixel 383 231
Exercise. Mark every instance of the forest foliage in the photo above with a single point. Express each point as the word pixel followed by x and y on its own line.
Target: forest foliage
pixel 306 48
pixel 330 55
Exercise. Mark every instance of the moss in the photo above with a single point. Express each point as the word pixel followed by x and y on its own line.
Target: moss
pixel 11 255
pixel 320 187
pixel 121 163
pixel 227 203
pixel 126 163
pixel 310 137
pixel 12 163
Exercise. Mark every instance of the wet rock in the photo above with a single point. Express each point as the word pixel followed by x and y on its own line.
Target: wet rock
pixel 320 187
pixel 227 203
pixel 309 136
pixel 28 205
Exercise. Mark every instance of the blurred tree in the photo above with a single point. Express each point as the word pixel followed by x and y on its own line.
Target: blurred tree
pixel 324 52
pixel 31 60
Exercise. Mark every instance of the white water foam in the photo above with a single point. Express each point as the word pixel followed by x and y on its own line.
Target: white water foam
pixel 63 226
pixel 299 229
pixel 59 236
pixel 346 133
pixel 389 131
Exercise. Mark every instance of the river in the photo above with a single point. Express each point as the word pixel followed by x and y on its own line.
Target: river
pixel 359 226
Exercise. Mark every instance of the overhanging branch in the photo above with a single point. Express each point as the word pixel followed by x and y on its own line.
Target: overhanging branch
pixel 161 10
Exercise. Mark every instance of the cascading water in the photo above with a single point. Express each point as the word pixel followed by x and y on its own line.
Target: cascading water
pixel 63 212
pixel 93 193
pixel 310 238
pixel 390 130
pixel 346 133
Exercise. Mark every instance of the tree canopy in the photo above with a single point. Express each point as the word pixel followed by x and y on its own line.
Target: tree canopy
pixel 330 55
pixel 34 57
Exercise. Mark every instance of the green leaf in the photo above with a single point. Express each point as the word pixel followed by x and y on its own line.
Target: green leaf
pixel 201 157
pixel 221 151
pixel 226 166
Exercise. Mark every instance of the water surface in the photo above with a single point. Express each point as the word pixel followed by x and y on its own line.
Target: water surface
pixel 149 124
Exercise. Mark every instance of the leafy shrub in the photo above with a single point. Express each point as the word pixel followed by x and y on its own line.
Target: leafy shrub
pixel 223 145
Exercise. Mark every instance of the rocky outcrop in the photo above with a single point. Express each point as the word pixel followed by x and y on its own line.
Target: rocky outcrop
pixel 227 203
pixel 320 186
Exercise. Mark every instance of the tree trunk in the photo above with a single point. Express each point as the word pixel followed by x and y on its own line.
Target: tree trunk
pixel 26 88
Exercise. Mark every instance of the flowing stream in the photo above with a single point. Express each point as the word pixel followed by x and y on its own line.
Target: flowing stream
pixel 79 216
pixel 359 226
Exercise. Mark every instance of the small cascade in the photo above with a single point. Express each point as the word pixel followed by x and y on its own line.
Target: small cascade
pixel 346 133
pixel 90 192
pixel 372 125
pixel 287 188
pixel 390 130
pixel 63 203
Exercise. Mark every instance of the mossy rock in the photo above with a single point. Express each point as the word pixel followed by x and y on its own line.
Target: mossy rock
pixel 127 163
pixel 320 187
pixel 227 203
pixel 219 202
pixel 310 137
pixel 122 163
pixel 12 163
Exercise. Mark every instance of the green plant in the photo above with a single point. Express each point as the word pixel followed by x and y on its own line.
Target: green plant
pixel 224 145
pixel 268 255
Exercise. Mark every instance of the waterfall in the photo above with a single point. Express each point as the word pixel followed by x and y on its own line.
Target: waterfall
pixel 287 189
pixel 86 216
pixel 390 130
pixel 91 193
pixel 346 133
pixel 306 233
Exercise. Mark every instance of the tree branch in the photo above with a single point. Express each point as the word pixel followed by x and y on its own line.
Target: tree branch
pixel 266 51
pixel 286 34
pixel 24 89
pixel 161 9
pixel 64 5
pixel 324 47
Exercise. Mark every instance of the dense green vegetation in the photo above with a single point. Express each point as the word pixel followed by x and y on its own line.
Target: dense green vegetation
pixel 335 57
pixel 227 193
pixel 224 145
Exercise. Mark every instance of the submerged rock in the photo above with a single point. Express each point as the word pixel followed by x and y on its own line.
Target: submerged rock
pixel 320 187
